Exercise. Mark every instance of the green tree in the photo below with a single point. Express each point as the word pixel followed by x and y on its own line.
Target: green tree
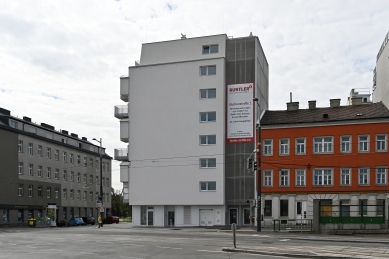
pixel 119 208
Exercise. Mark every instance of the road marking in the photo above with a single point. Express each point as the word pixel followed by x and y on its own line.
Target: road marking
pixel 88 253
pixel 283 240
pixel 134 245
pixel 31 246
pixel 163 246
pixel 129 257
pixel 55 250
pixel 176 248
pixel 259 236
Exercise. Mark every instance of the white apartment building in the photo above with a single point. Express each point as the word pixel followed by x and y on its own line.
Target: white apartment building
pixel 381 74
pixel 178 168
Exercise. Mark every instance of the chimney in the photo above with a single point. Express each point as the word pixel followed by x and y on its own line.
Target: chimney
pixel 312 105
pixel 292 106
pixel 356 101
pixel 26 119
pixel 334 103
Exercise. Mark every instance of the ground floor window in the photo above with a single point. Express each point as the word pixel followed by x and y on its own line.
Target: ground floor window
pixel 71 212
pixel 268 208
pixel 363 207
pixel 64 213
pixel 5 216
pixel 283 208
pixel 30 214
pixel 380 207
pixel 345 208
pixel 90 212
pixel 39 214
pixel 143 215
pixel 20 216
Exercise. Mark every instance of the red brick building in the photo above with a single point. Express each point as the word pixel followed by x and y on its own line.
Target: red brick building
pixel 337 155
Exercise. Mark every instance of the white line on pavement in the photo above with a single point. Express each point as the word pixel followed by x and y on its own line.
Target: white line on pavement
pixel 209 251
pixel 129 257
pixel 163 246
pixel 177 248
pixel 134 245
pixel 88 253
pixel 283 240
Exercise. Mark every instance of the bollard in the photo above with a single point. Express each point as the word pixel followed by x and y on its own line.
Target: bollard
pixel 233 228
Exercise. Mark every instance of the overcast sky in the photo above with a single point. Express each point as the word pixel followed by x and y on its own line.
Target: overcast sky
pixel 60 61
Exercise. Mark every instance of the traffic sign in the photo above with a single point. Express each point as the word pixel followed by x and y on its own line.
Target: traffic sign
pixel 101 208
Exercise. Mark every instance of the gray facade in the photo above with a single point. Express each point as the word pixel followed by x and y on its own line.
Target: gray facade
pixel 41 166
pixel 381 74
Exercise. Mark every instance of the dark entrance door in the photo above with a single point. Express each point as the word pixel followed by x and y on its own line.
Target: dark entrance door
pixel 150 218
pixel 234 216
pixel 170 218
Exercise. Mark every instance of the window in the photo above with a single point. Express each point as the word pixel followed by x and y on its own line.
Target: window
pixel 380 207
pixel 78 177
pixel 20 146
pixel 48 192
pixel 210 49
pixel 71 176
pixel 381 175
pixel 30 147
pixel 20 168
pixel 80 145
pixel 91 196
pixel 84 178
pixel 208 70
pixel 84 196
pixel 48 152
pixel 64 193
pixel 103 181
pixel 363 176
pixel 64 175
pixel 56 174
pixel 56 193
pixel 284 177
pixel 64 157
pixel 97 196
pixel 207 162
pixel 21 189
pixel 207 116
pixel 64 140
pixel 107 166
pixel 40 151
pixel 72 194
pixel 78 159
pixel 284 146
pixel 268 208
pixel 91 179
pixel 268 147
pixel 381 141
pixel 283 208
pixel 207 186
pixel 107 195
pixel 48 172
pixel 300 177
pixel 40 191
pixel 322 177
pixel 345 144
pixel 30 169
pixel 363 144
pixel 363 207
pixel 208 140
pixel 85 161
pixel 208 93
pixel 40 171
pixel 300 146
pixel 56 155
pixel 78 194
pixel 91 162
pixel 345 176
pixel 97 180
pixel 268 178
pixel 323 145
pixel 71 158
pixel 30 190
pixel 107 182
pixel 13 124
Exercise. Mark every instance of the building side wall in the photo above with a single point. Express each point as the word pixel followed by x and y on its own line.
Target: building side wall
pixel 381 92
pixel 164 132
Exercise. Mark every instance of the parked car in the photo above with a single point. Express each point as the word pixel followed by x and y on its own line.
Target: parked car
pixel 111 219
pixel 76 222
pixel 88 220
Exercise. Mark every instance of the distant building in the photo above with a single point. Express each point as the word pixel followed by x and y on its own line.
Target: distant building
pixel 185 161
pixel 381 74
pixel 359 95
pixel 41 166
pixel 335 156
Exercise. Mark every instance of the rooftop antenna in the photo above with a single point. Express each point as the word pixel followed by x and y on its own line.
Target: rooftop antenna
pixel 183 36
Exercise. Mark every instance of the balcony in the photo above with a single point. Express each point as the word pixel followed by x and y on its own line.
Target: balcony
pixel 124 130
pixel 121 111
pixel 121 154
pixel 124 87
pixel 126 196
pixel 124 171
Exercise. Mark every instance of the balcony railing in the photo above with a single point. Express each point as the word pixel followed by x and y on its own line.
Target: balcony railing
pixel 121 154
pixel 121 111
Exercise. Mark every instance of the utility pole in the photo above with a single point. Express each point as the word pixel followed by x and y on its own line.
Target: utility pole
pixel 258 160
pixel 101 174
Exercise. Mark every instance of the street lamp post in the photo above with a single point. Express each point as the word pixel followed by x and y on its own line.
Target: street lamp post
pixel 101 173
pixel 258 160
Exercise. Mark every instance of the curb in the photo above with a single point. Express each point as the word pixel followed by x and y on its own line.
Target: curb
pixel 344 240
pixel 247 251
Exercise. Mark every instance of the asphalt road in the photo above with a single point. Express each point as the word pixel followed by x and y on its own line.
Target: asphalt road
pixel 123 241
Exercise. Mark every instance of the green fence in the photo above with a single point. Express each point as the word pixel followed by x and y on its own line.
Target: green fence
pixel 352 214
pixel 295 224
